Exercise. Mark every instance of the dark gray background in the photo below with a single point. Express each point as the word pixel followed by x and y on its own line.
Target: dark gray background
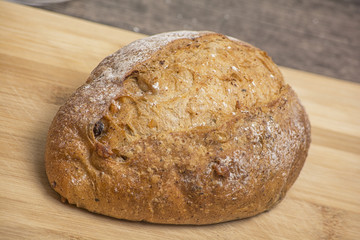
pixel 320 36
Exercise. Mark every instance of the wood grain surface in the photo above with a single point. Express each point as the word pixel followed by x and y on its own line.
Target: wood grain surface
pixel 320 36
pixel 44 57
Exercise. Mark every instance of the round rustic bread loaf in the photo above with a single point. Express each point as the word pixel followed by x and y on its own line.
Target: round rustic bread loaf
pixel 179 128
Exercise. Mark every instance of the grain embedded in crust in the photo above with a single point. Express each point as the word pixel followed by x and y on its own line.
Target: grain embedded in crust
pixel 197 130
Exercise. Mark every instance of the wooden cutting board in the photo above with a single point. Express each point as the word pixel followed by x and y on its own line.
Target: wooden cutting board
pixel 44 57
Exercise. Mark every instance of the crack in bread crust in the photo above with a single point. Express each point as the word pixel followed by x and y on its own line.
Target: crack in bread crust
pixel 179 128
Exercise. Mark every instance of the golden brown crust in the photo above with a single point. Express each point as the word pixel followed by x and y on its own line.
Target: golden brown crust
pixel 179 128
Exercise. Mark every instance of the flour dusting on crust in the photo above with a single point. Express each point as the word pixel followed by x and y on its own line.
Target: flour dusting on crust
pixel 104 83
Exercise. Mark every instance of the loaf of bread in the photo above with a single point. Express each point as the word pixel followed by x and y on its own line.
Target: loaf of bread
pixel 179 128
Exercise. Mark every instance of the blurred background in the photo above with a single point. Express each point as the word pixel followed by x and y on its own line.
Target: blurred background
pixel 319 36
